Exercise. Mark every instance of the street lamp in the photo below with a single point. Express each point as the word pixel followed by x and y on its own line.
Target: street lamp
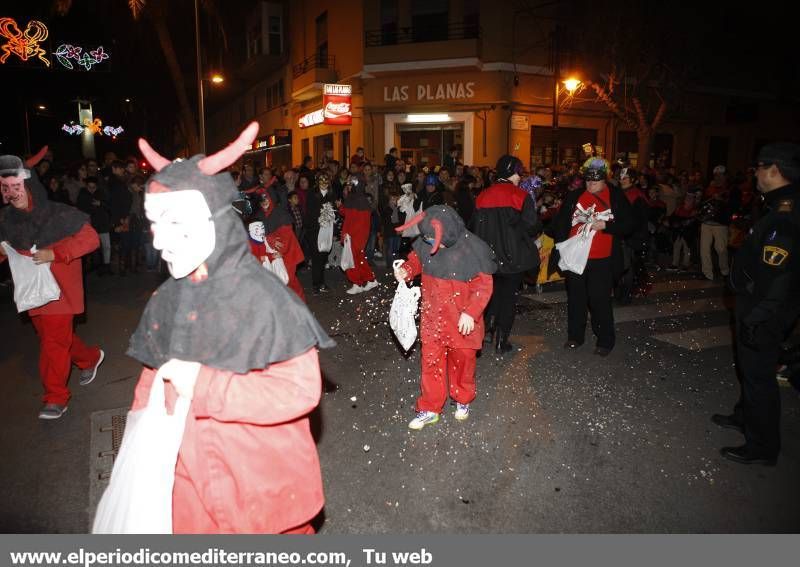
pixel 216 79
pixel 571 85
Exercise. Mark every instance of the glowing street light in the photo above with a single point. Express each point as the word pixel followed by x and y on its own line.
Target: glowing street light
pixel 216 78
pixel 41 107
pixel 572 85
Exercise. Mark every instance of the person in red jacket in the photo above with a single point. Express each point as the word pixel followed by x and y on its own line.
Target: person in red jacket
pixel 280 237
pixel 456 268
pixel 247 462
pixel 357 214
pixel 61 235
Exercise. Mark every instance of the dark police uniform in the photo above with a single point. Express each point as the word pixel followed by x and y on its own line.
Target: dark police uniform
pixel 766 279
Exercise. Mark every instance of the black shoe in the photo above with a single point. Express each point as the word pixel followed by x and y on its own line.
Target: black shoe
pixel 602 351
pixel 744 456
pixel 572 344
pixel 501 345
pixel 324 288
pixel 728 422
pixel 491 330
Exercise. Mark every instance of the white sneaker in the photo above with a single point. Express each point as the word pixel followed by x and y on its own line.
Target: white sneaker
pixel 423 418
pixel 371 285
pixel 356 289
pixel 462 411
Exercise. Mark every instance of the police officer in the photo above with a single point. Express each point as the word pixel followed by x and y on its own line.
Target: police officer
pixel 766 279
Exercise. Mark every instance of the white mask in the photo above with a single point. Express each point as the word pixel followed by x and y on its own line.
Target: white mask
pixel 256 230
pixel 182 229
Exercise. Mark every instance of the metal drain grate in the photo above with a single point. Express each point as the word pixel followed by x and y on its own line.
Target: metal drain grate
pixel 108 426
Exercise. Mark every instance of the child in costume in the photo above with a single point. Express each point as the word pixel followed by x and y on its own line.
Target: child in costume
pixel 247 462
pixel 456 268
pixel 279 235
pixel 357 214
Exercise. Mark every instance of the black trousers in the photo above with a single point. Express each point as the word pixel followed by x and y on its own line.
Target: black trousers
pixel 318 261
pixel 591 290
pixel 505 293
pixel 759 406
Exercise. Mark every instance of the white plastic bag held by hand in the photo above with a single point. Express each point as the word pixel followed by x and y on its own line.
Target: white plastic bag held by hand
pixel 34 284
pixel 403 311
pixel 325 238
pixel 138 499
pixel 574 251
pixel 348 263
pixel 276 266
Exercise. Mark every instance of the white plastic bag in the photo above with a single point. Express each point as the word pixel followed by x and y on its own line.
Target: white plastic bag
pixel 34 284
pixel 347 263
pixel 403 312
pixel 574 251
pixel 276 266
pixel 138 499
pixel 325 238
pixel 335 256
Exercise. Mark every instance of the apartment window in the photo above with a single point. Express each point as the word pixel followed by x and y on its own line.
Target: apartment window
pixel 472 14
pixel 322 40
pixel 275 35
pixel 280 91
pixel 253 40
pixel 429 19
pixel 388 22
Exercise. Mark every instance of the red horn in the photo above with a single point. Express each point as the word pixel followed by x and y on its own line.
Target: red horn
pixel 413 222
pixel 438 232
pixel 34 159
pixel 215 163
pixel 154 158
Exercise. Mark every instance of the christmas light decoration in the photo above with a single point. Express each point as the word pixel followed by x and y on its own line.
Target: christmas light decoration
pixel 23 44
pixel 93 127
pixel 87 59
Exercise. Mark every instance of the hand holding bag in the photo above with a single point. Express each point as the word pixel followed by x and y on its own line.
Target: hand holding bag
pixel 347 263
pixel 402 315
pixel 34 284
pixel 138 499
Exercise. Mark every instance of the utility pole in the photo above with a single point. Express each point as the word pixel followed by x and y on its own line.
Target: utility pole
pixel 556 77
pixel 201 103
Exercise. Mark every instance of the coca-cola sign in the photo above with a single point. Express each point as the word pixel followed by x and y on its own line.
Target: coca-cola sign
pixel 336 104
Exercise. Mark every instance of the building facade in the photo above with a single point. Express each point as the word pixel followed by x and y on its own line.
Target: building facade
pixel 429 75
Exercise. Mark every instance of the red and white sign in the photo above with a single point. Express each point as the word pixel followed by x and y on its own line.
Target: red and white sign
pixel 311 119
pixel 336 104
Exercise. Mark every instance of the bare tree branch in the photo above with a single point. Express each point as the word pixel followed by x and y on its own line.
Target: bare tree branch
pixel 662 110
pixel 604 97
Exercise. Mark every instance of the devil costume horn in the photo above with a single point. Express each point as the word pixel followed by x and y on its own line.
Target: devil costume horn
pixel 154 158
pixel 215 163
pixel 413 222
pixel 34 159
pixel 437 238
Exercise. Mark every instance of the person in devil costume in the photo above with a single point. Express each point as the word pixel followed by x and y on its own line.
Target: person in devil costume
pixel 357 214
pixel 61 235
pixel 280 236
pixel 247 462
pixel 456 268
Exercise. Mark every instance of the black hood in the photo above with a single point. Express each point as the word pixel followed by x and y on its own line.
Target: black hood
pixel 462 256
pixel 211 320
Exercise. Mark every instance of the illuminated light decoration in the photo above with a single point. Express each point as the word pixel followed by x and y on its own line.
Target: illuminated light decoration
pixel 312 118
pixel 23 44
pixel 428 118
pixel 93 127
pixel 87 59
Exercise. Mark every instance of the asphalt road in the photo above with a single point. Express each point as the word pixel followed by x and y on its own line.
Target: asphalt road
pixel 556 442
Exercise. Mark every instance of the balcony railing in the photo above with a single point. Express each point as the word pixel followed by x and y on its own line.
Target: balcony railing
pixel 315 61
pixel 417 34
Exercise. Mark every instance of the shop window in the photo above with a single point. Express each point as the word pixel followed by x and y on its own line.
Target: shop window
pixel 569 142
pixel 323 148
pixel 426 144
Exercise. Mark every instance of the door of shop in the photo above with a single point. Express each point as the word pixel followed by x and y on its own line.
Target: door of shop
pixel 570 142
pixel 426 144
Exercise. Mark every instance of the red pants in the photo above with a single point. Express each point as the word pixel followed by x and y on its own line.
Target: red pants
pixel 294 285
pixel 60 347
pixel 443 369
pixel 362 273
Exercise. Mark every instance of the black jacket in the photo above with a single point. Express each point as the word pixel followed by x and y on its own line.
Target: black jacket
pixel 766 271
pixel 624 224
pixel 505 218
pixel 100 215
pixel 313 208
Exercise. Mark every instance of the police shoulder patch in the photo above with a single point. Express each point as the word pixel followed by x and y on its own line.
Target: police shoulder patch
pixel 785 206
pixel 774 255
